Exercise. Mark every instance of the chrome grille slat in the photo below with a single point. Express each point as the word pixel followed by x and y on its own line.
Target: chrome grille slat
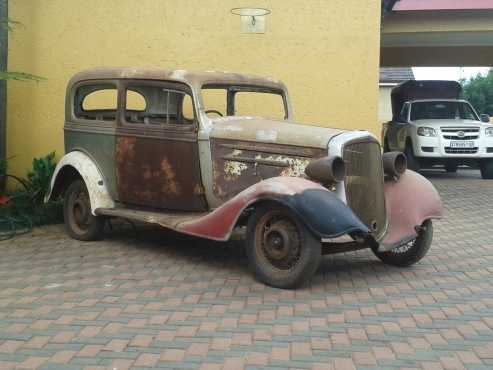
pixel 457 129
pixel 450 137
pixel 450 150
pixel 364 184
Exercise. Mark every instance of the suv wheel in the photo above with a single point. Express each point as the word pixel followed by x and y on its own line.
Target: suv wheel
pixel 451 167
pixel 486 167
pixel 412 162
pixel 282 252
pixel 412 252
pixel 80 223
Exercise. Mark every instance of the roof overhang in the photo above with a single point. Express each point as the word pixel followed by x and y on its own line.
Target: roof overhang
pixel 421 5
pixel 438 33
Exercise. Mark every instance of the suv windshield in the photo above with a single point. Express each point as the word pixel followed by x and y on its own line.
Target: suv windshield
pixel 234 100
pixel 442 110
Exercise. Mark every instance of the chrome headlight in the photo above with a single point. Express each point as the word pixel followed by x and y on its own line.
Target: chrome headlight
pixel 489 131
pixel 426 131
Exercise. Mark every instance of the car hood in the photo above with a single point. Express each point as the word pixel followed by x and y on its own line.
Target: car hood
pixel 258 129
pixel 437 123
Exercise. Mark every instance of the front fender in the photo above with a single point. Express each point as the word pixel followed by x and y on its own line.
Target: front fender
pixel 409 201
pixel 98 192
pixel 319 209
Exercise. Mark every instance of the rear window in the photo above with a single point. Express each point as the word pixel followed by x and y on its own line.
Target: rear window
pixel 96 102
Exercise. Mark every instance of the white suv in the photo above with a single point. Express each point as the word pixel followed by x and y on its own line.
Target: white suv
pixel 445 132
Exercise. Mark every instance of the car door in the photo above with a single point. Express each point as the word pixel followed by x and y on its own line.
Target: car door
pixel 157 156
pixel 397 129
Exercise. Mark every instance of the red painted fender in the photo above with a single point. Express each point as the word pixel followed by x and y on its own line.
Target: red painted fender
pixel 409 201
pixel 219 224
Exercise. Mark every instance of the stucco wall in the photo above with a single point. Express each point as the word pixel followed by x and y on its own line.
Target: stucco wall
pixel 327 52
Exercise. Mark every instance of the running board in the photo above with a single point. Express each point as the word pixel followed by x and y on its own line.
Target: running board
pixel 171 220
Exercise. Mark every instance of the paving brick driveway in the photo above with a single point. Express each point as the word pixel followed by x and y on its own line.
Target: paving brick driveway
pixel 150 299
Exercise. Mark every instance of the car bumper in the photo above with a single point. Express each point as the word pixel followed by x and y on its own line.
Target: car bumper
pixel 438 147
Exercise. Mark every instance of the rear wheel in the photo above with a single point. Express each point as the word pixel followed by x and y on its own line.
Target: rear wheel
pixel 282 252
pixel 486 167
pixel 412 252
pixel 412 162
pixel 451 167
pixel 80 223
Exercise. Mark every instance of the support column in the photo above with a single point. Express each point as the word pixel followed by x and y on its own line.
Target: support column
pixel 4 15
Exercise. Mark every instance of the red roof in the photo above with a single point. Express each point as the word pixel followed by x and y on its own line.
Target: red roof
pixel 405 5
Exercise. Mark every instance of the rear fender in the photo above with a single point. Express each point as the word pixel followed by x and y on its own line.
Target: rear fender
pixel 98 192
pixel 410 201
pixel 319 209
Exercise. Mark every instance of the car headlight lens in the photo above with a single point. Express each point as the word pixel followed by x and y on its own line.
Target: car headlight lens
pixel 489 131
pixel 426 131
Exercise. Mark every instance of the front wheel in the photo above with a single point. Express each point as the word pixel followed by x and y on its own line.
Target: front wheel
pixel 282 252
pixel 412 252
pixel 80 223
pixel 486 167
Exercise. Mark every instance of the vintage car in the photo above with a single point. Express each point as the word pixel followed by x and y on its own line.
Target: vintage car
pixel 433 126
pixel 188 151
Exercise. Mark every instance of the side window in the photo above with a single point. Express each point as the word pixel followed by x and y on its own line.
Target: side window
pixel 468 112
pixel 252 103
pixel 155 105
pixel 404 113
pixel 215 99
pixel 96 102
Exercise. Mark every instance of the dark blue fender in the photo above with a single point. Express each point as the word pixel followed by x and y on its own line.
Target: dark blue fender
pixel 324 213
pixel 315 206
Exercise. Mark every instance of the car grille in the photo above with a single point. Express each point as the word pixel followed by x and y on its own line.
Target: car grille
pixel 460 133
pixel 450 150
pixel 364 184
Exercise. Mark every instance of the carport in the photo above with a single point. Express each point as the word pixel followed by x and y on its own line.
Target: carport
pixel 437 33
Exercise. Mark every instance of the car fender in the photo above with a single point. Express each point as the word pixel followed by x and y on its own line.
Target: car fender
pixel 318 208
pixel 410 201
pixel 98 192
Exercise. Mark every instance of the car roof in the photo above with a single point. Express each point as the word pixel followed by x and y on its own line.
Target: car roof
pixel 193 79
pixel 432 100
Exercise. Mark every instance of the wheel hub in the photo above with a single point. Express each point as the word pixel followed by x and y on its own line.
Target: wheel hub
pixel 277 243
pixel 280 242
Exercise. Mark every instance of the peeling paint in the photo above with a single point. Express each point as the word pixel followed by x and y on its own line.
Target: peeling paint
pixel 233 169
pixel 98 192
pixel 170 185
pixel 232 119
pixel 178 74
pixel 266 135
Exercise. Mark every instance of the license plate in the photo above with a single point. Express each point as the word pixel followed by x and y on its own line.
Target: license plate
pixel 462 144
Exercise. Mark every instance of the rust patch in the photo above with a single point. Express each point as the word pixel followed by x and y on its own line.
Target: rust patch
pixel 170 185
pixel 238 165
pixel 160 171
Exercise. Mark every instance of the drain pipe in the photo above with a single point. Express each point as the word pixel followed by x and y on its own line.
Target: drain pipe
pixel 4 37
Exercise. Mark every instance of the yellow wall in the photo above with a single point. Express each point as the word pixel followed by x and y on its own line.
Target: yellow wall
pixel 327 52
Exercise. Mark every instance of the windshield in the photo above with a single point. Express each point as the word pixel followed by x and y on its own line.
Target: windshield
pixel 234 100
pixel 442 110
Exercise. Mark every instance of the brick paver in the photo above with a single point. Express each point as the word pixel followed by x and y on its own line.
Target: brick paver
pixel 152 299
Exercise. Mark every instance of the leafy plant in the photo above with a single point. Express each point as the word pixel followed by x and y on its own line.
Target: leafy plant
pixel 478 91
pixel 10 24
pixel 38 179
pixel 3 168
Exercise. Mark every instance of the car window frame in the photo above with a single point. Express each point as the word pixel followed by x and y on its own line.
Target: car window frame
pixel 179 87
pixel 406 105
pixel 233 88
pixel 73 94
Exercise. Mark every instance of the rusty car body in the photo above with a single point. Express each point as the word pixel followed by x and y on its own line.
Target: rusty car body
pixel 157 153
